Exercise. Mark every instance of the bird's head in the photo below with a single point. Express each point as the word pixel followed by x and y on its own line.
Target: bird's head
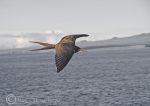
pixel 78 49
pixel 82 50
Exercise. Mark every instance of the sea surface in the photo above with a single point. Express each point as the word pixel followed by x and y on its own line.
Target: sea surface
pixel 102 77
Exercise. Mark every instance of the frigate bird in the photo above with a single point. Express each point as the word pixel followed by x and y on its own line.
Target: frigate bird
pixel 65 49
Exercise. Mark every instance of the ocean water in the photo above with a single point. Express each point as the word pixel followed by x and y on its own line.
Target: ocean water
pixel 104 77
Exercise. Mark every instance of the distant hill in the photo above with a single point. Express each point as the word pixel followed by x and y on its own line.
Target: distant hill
pixel 140 39
pixel 22 40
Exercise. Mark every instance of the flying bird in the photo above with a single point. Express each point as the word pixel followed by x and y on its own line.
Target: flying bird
pixel 65 49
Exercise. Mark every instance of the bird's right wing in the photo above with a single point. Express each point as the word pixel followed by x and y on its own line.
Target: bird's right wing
pixel 64 52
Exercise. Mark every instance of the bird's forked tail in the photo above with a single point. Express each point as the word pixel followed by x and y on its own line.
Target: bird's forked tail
pixel 46 46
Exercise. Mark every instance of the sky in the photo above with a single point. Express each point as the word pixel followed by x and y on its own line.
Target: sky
pixel 102 19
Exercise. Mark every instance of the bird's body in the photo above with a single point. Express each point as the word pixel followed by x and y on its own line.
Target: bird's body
pixel 65 49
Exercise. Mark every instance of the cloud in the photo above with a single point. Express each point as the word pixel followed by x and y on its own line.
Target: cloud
pixel 22 40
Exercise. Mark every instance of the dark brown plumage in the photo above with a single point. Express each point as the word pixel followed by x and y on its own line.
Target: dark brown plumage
pixel 65 49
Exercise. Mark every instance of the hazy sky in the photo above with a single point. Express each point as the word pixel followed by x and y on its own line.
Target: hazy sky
pixel 101 18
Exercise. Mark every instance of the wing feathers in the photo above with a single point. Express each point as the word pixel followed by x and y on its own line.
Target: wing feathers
pixel 80 35
pixel 63 56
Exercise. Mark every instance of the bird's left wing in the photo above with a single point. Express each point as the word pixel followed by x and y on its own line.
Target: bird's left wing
pixel 64 52
pixel 70 39
pixel 80 35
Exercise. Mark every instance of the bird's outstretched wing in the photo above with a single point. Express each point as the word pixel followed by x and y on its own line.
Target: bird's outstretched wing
pixel 70 39
pixel 64 52
pixel 79 35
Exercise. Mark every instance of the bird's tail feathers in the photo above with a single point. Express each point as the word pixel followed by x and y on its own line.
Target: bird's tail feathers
pixel 46 46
